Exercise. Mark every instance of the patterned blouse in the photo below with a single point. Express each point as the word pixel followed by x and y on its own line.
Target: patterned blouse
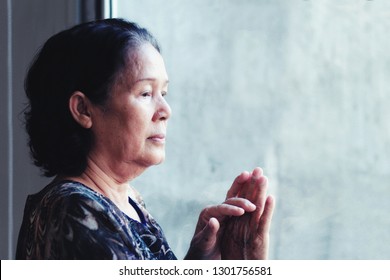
pixel 68 220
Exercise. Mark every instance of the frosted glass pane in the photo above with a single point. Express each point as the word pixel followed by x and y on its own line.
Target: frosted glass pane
pixel 300 88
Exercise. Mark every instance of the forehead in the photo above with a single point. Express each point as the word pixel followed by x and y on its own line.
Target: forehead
pixel 145 62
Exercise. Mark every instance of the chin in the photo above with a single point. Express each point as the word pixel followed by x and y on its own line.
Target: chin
pixel 158 158
pixel 162 159
pixel 153 157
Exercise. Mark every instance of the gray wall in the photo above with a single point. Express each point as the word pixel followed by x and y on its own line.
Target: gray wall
pixel 4 167
pixel 300 88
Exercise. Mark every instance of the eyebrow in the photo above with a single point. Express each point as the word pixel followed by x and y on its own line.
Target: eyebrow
pixel 149 80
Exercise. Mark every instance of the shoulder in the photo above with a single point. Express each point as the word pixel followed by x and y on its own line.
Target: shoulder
pixel 68 220
pixel 68 200
pixel 64 192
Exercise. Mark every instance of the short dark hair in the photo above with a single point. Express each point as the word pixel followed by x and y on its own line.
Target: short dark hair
pixel 87 58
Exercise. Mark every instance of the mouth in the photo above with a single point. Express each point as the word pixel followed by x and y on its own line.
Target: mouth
pixel 157 138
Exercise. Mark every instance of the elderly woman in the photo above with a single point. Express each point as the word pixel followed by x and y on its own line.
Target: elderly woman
pixel 96 119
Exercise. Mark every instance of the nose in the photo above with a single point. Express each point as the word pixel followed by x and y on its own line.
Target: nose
pixel 163 110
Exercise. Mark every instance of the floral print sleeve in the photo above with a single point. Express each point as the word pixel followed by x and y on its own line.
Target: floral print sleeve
pixel 67 220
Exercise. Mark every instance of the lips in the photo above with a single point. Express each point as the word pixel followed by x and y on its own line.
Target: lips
pixel 158 138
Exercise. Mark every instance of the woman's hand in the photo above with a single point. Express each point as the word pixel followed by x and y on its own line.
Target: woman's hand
pixel 211 227
pixel 247 236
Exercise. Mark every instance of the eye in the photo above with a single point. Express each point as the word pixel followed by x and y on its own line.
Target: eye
pixel 146 94
pixel 164 93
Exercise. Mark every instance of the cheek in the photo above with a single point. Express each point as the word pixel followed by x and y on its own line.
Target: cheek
pixel 132 118
pixel 134 123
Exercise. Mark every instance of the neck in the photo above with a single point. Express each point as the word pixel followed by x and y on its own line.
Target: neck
pixel 101 181
pixel 115 188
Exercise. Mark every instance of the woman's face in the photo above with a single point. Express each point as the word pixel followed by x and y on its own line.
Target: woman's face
pixel 129 132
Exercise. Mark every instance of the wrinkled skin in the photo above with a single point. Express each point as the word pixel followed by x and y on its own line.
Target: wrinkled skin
pixel 239 227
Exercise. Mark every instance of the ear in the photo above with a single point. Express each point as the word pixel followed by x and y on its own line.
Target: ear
pixel 80 108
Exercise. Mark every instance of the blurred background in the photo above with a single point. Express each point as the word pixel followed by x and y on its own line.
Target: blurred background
pixel 297 87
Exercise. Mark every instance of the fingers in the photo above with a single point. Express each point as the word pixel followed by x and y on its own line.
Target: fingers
pixel 235 206
pixel 258 191
pixel 266 218
pixel 253 187
pixel 208 235
pixel 204 242
pixel 242 203
pixel 258 197
pixel 247 191
pixel 238 184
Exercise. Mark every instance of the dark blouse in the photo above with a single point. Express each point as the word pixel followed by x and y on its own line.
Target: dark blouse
pixel 67 220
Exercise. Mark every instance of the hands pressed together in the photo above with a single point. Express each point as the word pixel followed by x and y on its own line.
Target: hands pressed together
pixel 239 227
